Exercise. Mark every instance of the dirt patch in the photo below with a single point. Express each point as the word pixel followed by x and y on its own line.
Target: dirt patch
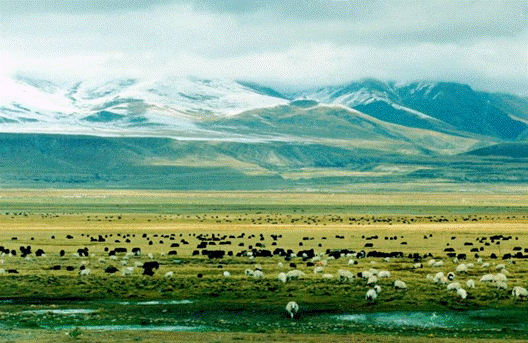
pixel 88 336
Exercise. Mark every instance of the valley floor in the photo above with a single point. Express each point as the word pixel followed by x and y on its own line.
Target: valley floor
pixel 242 307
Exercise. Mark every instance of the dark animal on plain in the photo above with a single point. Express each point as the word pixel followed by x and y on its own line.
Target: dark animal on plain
pixel 111 270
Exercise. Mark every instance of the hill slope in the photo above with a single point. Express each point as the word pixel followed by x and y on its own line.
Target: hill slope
pixel 190 133
pixel 441 106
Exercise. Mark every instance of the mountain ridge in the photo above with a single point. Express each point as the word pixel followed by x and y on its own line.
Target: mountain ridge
pixel 174 133
pixel 443 106
pixel 179 103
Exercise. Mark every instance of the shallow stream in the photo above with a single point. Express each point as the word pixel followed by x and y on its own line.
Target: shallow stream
pixel 188 315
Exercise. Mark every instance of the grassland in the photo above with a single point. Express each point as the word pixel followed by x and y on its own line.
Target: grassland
pixel 427 223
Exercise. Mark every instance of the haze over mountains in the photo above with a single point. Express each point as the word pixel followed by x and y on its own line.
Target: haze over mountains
pixel 192 133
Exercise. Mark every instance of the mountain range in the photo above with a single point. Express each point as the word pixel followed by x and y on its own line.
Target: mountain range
pixel 194 133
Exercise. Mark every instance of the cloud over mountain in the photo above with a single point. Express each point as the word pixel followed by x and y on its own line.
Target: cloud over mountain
pixel 289 43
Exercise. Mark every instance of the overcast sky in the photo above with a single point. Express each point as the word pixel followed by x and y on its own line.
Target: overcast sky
pixel 275 42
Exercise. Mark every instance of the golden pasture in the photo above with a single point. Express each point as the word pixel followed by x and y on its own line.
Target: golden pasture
pixel 410 223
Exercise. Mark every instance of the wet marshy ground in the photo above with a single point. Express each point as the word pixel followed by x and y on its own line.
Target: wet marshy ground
pixel 186 315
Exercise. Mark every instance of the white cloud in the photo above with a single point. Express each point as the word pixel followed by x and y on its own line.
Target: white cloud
pixel 279 42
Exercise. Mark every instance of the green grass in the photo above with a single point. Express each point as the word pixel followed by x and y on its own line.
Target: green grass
pixel 44 161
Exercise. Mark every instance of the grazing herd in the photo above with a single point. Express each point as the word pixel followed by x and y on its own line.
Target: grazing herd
pixel 269 257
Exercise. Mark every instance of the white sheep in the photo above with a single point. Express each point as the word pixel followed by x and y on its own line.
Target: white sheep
pixel 398 284
pixel 501 284
pixel 345 275
pixel 461 292
pixel 417 265
pixel 227 274
pixel 500 266
pixel 371 295
pixel 318 270
pixel 505 272
pixel 373 271
pixel 439 277
pixel 282 277
pixel 519 293
pixel 258 274
pixel 372 280
pixel 487 278
pixel 294 274
pixel 280 265
pixel 352 262
pixel 500 277
pixel 85 272
pixel 485 265
pixel 384 274
pixel 365 275
pixel 431 262
pixel 461 268
pixel 292 308
pixel 377 288
pixel 438 264
pixel 453 286
pixel 169 274
pixel 328 276
pixel 127 271
pixel 470 284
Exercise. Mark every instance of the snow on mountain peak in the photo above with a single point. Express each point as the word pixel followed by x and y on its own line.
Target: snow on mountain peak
pixel 32 97
pixel 173 103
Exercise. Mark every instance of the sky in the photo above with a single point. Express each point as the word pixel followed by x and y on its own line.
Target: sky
pixel 282 43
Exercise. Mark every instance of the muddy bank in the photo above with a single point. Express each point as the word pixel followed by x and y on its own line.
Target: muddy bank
pixel 88 336
pixel 196 316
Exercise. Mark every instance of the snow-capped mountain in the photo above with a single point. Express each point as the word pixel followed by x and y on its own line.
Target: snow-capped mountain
pixel 191 133
pixel 184 107
pixel 442 106
pixel 123 105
